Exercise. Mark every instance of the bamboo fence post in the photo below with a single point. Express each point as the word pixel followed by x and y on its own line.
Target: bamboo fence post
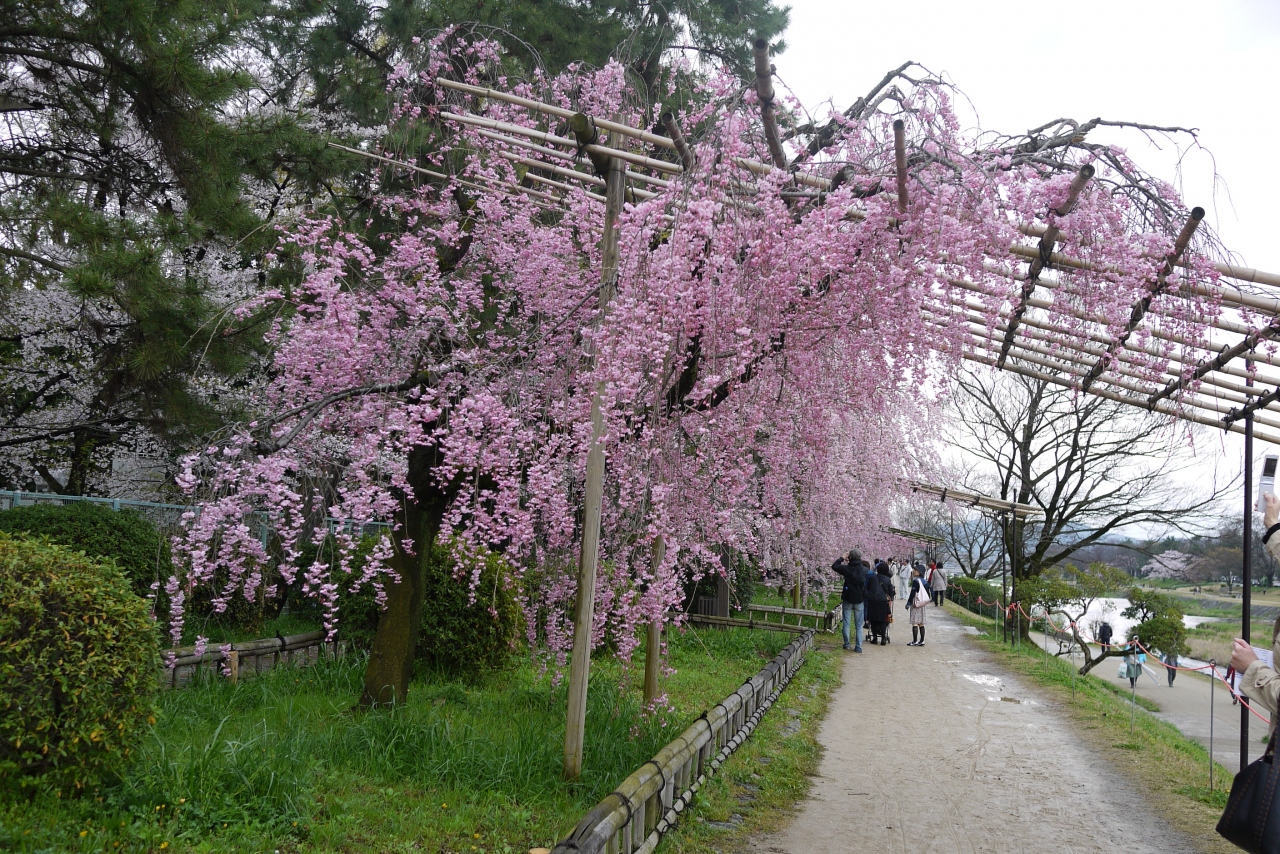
pixel 233 666
pixel 764 90
pixel 580 663
pixel 653 647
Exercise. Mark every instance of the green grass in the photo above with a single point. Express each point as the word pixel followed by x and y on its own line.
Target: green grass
pixel 281 762
pixel 1169 768
pixel 216 632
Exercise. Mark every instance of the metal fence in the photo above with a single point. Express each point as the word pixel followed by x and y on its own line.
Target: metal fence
pixel 633 819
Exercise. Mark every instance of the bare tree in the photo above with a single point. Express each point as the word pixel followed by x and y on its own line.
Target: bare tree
pixel 1091 465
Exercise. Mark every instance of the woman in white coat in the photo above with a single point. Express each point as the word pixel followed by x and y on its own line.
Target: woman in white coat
pixel 917 602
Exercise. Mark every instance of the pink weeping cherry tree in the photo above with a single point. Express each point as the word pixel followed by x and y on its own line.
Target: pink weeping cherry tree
pixel 768 364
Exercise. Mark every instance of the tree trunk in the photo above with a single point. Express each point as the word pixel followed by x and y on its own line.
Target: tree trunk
pixel 390 669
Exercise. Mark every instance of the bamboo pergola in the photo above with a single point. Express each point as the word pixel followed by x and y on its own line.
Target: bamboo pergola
pixel 1220 380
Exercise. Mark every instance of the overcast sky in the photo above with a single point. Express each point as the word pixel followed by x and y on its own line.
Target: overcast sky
pixel 1205 65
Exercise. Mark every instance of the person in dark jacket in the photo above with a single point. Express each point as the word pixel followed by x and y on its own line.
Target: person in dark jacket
pixel 852 597
pixel 1104 636
pixel 880 594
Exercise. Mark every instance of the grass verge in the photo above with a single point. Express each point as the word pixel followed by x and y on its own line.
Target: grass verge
pixel 281 763
pixel 1170 769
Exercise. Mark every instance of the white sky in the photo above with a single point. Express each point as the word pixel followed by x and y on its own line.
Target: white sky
pixel 1208 65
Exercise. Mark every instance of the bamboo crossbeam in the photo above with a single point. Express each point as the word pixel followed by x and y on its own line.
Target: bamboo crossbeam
pixel 1071 311
pixel 1140 308
pixel 1236 414
pixel 1038 356
pixel 759 168
pixel 1250 341
pixel 585 178
pixel 1053 335
pixel 1231 271
pixel 975 500
pixel 1043 252
pixel 566 156
pixel 552 139
pixel 550 109
pixel 1048 358
pixel 1161 407
pixel 560 185
pixel 764 92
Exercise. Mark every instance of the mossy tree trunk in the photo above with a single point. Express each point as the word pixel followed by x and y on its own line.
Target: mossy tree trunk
pixel 390 669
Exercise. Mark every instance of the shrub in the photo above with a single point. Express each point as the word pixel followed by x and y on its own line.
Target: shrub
pixel 122 535
pixel 458 635
pixel 78 663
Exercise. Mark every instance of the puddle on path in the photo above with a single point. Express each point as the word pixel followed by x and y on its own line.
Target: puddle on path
pixel 983 679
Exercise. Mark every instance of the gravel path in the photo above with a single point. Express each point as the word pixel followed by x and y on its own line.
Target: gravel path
pixel 935 749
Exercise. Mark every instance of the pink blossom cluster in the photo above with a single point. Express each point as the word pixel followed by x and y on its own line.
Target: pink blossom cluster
pixel 769 362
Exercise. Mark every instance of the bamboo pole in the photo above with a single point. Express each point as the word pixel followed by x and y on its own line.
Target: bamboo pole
pixel 1140 308
pixel 552 139
pixel 580 661
pixel 764 91
pixel 687 159
pixel 1047 241
pixel 1250 341
pixel 542 107
pixel 1047 358
pixel 1192 416
pixel 653 645
pixel 900 163
pixel 1033 327
pixel 1071 311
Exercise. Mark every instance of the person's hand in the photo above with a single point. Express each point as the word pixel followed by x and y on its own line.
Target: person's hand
pixel 1271 509
pixel 1242 655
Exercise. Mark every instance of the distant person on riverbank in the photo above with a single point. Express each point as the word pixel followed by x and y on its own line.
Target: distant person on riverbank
pixel 917 602
pixel 1171 666
pixel 852 597
pixel 1257 681
pixel 938 584
pixel 1104 636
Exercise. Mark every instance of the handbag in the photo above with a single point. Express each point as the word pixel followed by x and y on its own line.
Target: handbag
pixel 1251 820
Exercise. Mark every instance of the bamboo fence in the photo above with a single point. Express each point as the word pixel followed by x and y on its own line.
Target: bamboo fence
pixel 633 819
pixel 248 658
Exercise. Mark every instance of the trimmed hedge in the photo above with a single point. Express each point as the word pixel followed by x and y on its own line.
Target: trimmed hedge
pixel 967 591
pixel 78 664
pixel 95 529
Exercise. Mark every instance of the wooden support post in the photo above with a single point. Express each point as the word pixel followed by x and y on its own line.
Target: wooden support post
pixel 795 595
pixel 687 160
pixel 233 666
pixel 764 90
pixel 653 647
pixel 580 662
pixel 900 161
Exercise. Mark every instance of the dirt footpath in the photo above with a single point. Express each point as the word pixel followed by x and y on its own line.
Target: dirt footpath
pixel 934 750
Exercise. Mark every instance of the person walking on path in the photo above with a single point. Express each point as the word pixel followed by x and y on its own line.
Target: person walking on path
pixel 852 597
pixel 1104 636
pixel 938 584
pixel 879 599
pixel 1259 682
pixel 917 602
pixel 1132 664
pixel 1171 666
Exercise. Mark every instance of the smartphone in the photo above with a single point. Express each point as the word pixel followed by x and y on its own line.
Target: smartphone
pixel 1267 483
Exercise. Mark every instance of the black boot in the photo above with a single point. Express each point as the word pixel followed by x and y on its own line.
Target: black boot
pixel 921 637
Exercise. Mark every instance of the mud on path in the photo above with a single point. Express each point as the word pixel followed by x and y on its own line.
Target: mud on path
pixel 935 750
